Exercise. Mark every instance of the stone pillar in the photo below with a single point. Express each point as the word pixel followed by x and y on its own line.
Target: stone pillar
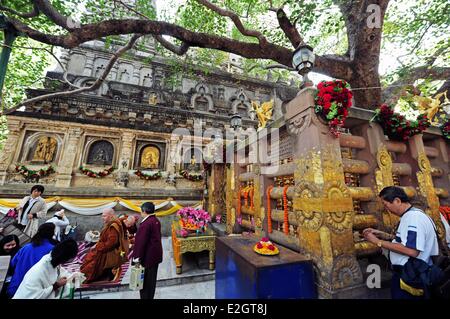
pixel 323 204
pixel 125 157
pixel 65 166
pixel 9 149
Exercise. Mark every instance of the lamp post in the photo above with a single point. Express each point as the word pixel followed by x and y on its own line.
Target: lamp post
pixel 303 61
pixel 10 34
pixel 236 121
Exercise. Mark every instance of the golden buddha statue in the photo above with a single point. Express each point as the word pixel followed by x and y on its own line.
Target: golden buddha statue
pixel 153 99
pixel 150 157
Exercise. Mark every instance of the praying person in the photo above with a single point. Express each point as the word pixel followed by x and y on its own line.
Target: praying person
pixel 31 209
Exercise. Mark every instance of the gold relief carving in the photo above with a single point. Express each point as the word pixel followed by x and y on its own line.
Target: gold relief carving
pixel 311 220
pixel 150 157
pixel 45 149
pixel 425 181
pixel 339 221
pixel 197 244
pixel 346 272
pixel 332 164
pixel 384 174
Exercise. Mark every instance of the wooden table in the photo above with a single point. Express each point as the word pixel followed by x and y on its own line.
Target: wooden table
pixel 193 243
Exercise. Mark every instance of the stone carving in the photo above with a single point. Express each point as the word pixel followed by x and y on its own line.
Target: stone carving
pixel 202 99
pixel 345 272
pixel 299 123
pixel 150 157
pixel 308 214
pixel 101 153
pixel 240 103
pixel 45 149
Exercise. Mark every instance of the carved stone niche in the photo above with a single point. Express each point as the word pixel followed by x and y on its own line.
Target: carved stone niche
pixel 202 100
pixel 41 148
pixel 192 159
pixel 150 155
pixel 240 103
pixel 99 152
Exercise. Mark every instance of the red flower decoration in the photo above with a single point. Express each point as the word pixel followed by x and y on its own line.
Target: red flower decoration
pixel 271 247
pixel 396 126
pixel 333 100
pixel 259 246
pixel 265 239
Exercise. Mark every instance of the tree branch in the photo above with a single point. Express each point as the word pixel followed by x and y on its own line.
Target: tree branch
pixel 27 15
pixel 102 29
pixel 423 72
pixel 53 14
pixel 98 81
pixel 289 30
pixel 180 50
pixel 235 18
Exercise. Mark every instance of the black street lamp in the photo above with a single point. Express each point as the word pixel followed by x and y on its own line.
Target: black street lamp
pixel 236 121
pixel 303 61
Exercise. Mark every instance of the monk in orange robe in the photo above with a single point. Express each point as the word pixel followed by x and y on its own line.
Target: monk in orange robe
pixel 104 259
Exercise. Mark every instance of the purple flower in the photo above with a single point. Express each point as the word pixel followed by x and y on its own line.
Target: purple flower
pixel 218 217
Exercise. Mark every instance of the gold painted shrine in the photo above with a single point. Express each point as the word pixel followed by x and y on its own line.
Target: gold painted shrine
pixel 321 191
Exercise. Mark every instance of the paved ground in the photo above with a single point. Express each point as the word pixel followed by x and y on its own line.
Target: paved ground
pixel 196 281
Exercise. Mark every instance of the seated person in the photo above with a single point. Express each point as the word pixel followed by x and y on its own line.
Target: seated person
pixel 103 261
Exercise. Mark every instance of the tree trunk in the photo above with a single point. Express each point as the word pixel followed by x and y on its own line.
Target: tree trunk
pixel 366 85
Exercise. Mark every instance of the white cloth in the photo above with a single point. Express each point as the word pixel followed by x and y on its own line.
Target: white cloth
pixel 416 231
pixel 60 224
pixel 38 281
pixel 447 230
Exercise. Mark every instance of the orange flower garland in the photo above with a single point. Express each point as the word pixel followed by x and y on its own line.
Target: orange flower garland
pixel 238 208
pixel 269 212
pixel 246 196
pixel 252 197
pixel 286 213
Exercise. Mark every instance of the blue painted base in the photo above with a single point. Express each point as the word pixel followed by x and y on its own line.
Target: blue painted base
pixel 243 274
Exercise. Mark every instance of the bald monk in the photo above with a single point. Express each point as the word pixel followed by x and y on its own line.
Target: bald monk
pixel 104 259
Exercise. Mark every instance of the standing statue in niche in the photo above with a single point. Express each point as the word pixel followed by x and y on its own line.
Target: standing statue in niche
pixel 45 149
pixel 150 157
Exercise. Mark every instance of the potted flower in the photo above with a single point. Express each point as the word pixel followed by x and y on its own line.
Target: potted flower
pixel 192 219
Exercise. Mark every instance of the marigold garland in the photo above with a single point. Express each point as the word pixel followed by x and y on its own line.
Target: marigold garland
pixel 269 211
pixel 333 99
pixel 28 173
pixel 252 198
pixel 93 174
pixel 396 126
pixel 246 197
pixel 286 213
pixel 147 177
pixel 238 206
